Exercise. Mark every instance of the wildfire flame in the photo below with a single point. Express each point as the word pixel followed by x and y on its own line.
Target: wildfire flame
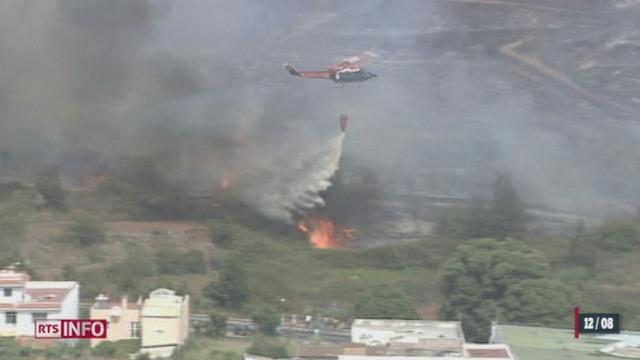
pixel 90 182
pixel 225 183
pixel 324 234
pixel 223 186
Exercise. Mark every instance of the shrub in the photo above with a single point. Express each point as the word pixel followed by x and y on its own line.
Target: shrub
pixel 127 274
pixel 385 302
pixel 115 349
pixel 269 347
pixel 170 262
pixel 52 192
pixel 266 318
pixel 224 355
pixel 85 231
pixel 502 217
pixel 220 235
pixel 232 289
pixel 617 235
pixel 215 327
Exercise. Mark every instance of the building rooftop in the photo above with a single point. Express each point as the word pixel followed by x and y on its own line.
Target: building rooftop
pixel 103 303
pixel 10 278
pixel 413 330
pixel 41 295
pixel 163 303
pixel 534 343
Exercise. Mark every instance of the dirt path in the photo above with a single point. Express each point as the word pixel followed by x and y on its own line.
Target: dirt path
pixel 520 5
pixel 510 50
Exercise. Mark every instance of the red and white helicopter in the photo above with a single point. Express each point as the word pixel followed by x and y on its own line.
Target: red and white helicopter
pixel 347 71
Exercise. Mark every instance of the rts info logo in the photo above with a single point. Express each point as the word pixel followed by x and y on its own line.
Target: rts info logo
pixel 71 329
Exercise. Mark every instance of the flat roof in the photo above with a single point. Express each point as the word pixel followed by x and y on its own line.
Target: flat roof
pixel 413 328
pixel 534 343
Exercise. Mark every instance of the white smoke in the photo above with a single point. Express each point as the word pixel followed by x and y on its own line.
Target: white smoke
pixel 296 186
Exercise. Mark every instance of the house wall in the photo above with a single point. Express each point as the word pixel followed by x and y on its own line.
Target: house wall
pixel 165 324
pixel 71 304
pixel 24 319
pixel 184 320
pixel 6 329
pixel 119 327
pixel 68 310
pixel 16 296
pixel 158 331
pixel 24 322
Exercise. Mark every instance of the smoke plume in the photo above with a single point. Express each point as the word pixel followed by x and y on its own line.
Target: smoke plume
pixel 448 111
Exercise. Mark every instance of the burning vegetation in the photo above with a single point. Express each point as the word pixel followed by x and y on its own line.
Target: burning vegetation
pixel 224 184
pixel 323 233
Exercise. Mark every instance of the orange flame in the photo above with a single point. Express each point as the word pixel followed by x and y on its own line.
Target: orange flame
pixel 225 183
pixel 223 186
pixel 90 182
pixel 324 234
pixel 350 233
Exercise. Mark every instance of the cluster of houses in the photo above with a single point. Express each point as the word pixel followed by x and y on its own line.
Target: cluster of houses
pixel 160 322
pixel 373 339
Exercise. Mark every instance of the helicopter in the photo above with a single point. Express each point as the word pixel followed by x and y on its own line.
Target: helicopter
pixel 348 71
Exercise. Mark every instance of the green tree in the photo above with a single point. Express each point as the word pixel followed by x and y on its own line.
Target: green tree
pixel 50 188
pixel 503 216
pixel 477 277
pixel 466 221
pixel 220 235
pixel 385 302
pixel 218 325
pixel 85 231
pixel 268 347
pixel 214 328
pixel 129 273
pixel 266 317
pixel 540 302
pixel 508 213
pixel 231 290
pixel 616 235
pixel 582 249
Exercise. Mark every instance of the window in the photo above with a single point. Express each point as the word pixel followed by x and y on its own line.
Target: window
pixel 10 318
pixel 39 316
pixel 134 330
pixel 8 292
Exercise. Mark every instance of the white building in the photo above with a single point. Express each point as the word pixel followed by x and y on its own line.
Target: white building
pixel 22 302
pixel 165 323
pixel 373 332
